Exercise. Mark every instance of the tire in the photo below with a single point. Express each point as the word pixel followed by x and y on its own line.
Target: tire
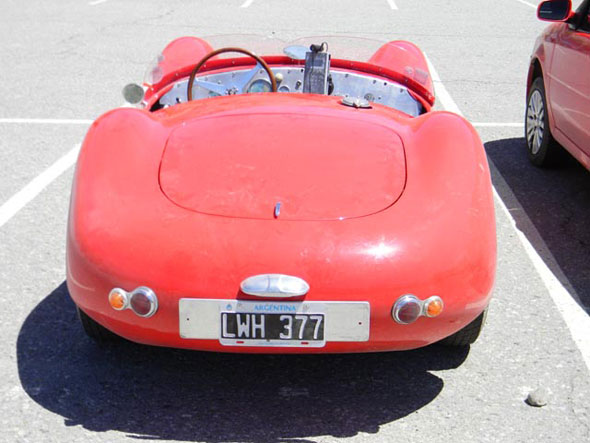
pixel 95 331
pixel 469 334
pixel 542 148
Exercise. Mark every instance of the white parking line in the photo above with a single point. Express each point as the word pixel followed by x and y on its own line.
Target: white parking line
pixel 247 3
pixel 528 4
pixel 35 186
pixel 576 319
pixel 392 4
pixel 96 2
pixel 441 92
pixel 45 121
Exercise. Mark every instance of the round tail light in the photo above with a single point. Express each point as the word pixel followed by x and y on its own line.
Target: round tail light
pixel 407 309
pixel 433 306
pixel 118 299
pixel 143 302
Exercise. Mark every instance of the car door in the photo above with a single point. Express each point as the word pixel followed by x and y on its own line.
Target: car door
pixel 569 80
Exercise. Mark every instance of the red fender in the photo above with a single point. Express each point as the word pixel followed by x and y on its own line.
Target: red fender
pixel 183 51
pixel 406 58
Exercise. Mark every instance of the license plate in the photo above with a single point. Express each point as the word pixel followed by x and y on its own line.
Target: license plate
pixel 249 328
pixel 202 319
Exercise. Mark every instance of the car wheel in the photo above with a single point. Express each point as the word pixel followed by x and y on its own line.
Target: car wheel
pixel 468 334
pixel 95 331
pixel 543 150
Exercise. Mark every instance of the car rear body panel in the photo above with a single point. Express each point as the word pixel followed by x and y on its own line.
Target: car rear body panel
pixel 437 239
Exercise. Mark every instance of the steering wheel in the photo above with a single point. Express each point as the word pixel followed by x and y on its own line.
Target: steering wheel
pixel 240 82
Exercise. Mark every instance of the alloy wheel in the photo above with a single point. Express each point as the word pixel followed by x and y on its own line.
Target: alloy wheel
pixel 535 121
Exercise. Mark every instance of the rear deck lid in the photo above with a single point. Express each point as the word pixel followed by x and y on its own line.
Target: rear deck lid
pixel 293 165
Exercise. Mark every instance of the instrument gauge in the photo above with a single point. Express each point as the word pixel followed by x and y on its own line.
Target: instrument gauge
pixel 260 85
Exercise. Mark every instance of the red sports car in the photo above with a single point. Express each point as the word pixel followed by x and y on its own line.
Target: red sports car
pixel 558 85
pixel 305 202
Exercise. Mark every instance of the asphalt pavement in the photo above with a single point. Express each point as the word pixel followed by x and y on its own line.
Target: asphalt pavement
pixel 68 61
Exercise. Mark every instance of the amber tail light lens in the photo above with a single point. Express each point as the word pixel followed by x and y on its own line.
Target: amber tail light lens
pixel 118 299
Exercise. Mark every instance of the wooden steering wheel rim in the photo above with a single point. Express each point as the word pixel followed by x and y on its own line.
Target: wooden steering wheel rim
pixel 221 51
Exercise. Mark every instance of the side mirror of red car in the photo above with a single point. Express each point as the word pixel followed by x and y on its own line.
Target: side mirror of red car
pixel 555 10
pixel 133 94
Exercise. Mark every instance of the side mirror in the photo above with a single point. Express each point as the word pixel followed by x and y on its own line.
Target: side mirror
pixel 555 10
pixel 133 93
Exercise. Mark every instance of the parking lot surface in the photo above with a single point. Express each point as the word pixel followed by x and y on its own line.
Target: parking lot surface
pixel 64 63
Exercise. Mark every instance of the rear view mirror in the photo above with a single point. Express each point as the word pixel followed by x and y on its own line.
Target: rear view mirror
pixel 555 10
pixel 133 93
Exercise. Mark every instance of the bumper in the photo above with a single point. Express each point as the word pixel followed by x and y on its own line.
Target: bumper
pixel 190 322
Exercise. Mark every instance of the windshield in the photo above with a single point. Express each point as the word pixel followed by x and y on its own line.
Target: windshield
pixel 344 47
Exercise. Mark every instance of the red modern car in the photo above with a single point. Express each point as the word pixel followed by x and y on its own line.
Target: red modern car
pixel 558 85
pixel 305 202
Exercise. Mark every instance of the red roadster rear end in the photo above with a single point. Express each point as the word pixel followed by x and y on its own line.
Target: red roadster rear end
pixel 285 221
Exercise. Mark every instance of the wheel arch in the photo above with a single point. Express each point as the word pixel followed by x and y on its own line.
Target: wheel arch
pixel 535 70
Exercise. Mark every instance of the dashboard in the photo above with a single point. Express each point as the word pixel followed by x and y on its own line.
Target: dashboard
pixel 290 80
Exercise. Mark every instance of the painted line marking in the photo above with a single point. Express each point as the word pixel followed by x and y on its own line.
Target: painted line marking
pixel 441 92
pixel 392 4
pixel 35 186
pixel 528 4
pixel 247 3
pixel 47 121
pixel 576 319
pixel 96 2
pixel 497 125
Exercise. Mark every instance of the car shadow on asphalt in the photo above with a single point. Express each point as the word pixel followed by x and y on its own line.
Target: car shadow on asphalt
pixel 557 202
pixel 156 393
